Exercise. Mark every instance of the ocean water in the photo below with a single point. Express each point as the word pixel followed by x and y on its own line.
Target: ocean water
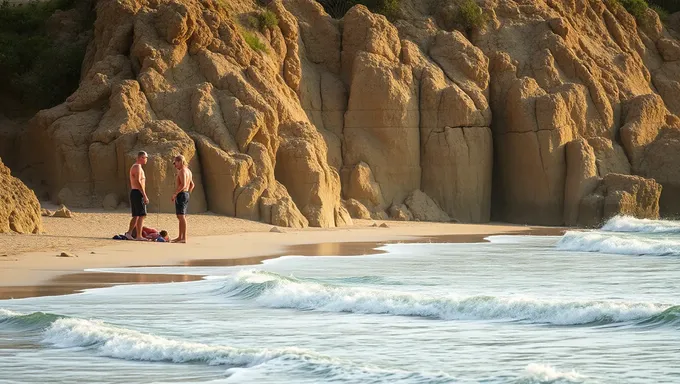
pixel 589 307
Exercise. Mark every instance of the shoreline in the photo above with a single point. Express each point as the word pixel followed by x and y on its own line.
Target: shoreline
pixel 39 274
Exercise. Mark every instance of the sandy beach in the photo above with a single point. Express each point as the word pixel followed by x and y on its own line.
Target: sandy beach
pixel 31 265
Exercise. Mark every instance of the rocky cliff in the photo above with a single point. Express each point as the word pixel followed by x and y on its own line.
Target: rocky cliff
pixel 292 117
pixel 19 208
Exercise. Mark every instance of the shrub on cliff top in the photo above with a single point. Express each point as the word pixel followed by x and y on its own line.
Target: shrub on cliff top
pixel 663 14
pixel 667 6
pixel 470 15
pixel 337 8
pixel 33 68
pixel 267 19
pixel 463 15
pixel 636 8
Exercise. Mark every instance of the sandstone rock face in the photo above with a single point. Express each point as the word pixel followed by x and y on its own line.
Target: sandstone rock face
pixel 620 195
pixel 585 73
pixel 176 78
pixel 651 138
pixel 361 186
pixel 424 208
pixel 400 213
pixel 302 167
pixel 544 101
pixel 631 196
pixel 110 202
pixel 356 209
pixel 456 142
pixel 278 208
pixel 381 122
pixel 581 178
pixel 660 162
pixel 609 157
pixel 19 208
pixel 63 212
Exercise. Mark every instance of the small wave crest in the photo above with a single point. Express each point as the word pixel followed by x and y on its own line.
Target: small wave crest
pixel 631 224
pixel 276 291
pixel 122 343
pixel 608 243
pixel 542 373
pixel 35 320
pixel 670 316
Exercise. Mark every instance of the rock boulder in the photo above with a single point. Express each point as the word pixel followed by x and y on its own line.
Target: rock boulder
pixel 19 207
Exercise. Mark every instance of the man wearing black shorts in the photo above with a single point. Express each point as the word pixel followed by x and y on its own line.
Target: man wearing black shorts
pixel 138 198
pixel 185 185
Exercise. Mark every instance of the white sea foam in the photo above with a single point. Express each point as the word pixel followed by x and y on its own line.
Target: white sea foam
pixel 546 373
pixel 122 343
pixel 338 371
pixel 623 245
pixel 513 239
pixel 275 291
pixel 7 314
pixel 631 224
pixel 128 344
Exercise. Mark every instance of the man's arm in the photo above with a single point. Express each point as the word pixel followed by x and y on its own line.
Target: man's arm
pixel 191 185
pixel 142 185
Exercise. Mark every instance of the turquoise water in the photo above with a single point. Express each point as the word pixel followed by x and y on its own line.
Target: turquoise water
pixel 588 307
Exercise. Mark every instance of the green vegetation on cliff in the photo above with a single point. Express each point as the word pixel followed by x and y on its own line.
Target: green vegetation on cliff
pixel 254 42
pixel 35 69
pixel 338 8
pixel 669 6
pixel 638 8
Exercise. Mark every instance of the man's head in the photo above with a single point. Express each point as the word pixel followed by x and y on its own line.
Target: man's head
pixel 142 157
pixel 179 161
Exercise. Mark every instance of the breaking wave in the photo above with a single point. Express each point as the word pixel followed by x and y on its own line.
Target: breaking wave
pixel 623 245
pixel 276 291
pixel 542 373
pixel 631 224
pixel 122 343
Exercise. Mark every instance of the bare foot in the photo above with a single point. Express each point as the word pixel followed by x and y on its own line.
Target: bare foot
pixel 178 240
pixel 141 239
pixel 129 236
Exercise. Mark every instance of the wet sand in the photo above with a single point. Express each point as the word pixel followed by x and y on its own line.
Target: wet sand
pixel 75 282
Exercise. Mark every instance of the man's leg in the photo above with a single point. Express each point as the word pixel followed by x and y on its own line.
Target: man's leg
pixel 184 218
pixel 133 224
pixel 140 225
pixel 179 235
pixel 183 227
pixel 182 237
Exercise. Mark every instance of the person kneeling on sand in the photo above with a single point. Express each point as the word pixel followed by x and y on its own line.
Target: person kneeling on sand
pixel 153 234
pixel 148 234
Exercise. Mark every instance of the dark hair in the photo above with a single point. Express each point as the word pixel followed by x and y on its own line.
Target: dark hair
pixel 141 153
pixel 164 233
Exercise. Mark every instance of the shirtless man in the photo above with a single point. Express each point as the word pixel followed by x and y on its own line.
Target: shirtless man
pixel 138 198
pixel 185 185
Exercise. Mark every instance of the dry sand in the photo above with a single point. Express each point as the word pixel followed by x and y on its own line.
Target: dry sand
pixel 30 265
